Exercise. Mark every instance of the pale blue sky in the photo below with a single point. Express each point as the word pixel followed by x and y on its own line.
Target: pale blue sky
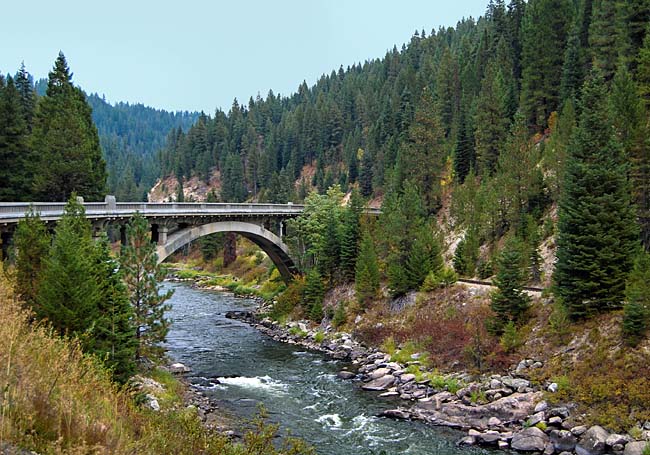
pixel 200 54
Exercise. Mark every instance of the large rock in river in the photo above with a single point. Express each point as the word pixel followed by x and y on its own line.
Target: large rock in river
pixel 529 440
pixel 380 383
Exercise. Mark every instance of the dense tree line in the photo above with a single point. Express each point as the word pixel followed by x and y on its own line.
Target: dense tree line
pixel 49 146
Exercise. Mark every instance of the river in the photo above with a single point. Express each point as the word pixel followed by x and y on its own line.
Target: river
pixel 299 389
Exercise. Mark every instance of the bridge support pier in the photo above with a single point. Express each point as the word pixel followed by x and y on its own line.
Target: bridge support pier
pixel 162 234
pixel 124 241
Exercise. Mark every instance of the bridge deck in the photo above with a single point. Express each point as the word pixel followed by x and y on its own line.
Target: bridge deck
pixel 13 212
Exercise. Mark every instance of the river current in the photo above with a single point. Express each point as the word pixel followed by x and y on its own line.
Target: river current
pixel 298 388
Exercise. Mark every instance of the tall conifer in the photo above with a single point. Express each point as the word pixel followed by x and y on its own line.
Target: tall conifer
pixel 597 225
pixel 142 276
pixel 66 142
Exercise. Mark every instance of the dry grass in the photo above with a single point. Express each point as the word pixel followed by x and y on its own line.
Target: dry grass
pixel 448 325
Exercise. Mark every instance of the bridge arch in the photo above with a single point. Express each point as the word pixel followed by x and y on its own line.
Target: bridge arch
pixel 270 243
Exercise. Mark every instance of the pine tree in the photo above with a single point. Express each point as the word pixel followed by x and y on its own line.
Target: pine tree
pixel 555 152
pixel 509 301
pixel 25 86
pixel 573 67
pixel 636 317
pixel 403 215
pixel 114 332
pixel 367 277
pixel 65 140
pixel 597 230
pixel 142 276
pixel 350 235
pixel 464 151
pixel 491 119
pixel 32 243
pixel 605 41
pixel 467 252
pixel 517 174
pixel 329 252
pixel 313 295
pixel 15 166
pixel 631 129
pixel 422 157
pixel 366 174
pixel 69 293
pixel 545 29
pixel 232 180
pixel 424 257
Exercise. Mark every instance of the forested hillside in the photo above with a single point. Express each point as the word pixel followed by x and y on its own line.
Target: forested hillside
pixel 130 136
pixel 484 109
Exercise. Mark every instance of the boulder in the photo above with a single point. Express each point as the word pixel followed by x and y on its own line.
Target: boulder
pixel 529 440
pixel 563 440
pixel 495 384
pixel 494 422
pixel 615 439
pixel 635 448
pixel 378 373
pixel 379 384
pixel 579 430
pixel 490 437
pixel 179 368
pixel 535 418
pixel 152 402
pixel 561 411
pixel 541 406
pixel 408 377
pixel 401 414
pixel 593 442
pixel 346 374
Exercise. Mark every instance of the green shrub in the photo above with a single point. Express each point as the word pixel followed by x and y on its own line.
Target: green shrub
pixel 340 317
pixel 510 339
pixel 388 346
pixel 541 425
pixel 319 337
pixel 403 355
pixel 485 269
pixel 296 331
pixel 441 279
pixel 636 432
pixel 477 396
pixel 560 323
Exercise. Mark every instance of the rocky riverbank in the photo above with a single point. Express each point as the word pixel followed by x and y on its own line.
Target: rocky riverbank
pixel 153 392
pixel 501 411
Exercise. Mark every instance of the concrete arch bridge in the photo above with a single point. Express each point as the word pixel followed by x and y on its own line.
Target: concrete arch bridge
pixel 174 225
